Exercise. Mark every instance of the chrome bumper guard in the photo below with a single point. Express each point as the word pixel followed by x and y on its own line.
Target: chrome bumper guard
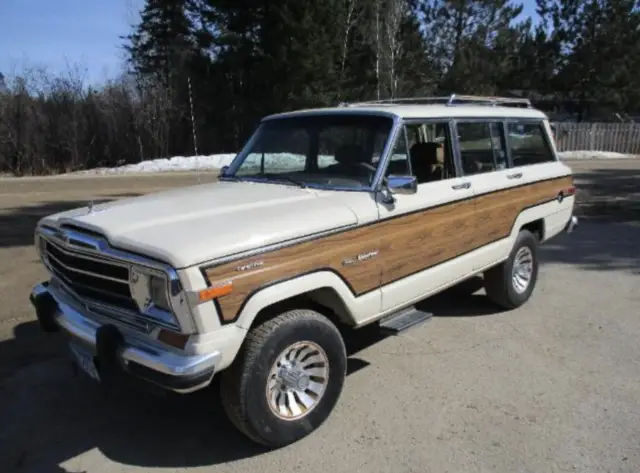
pixel 114 353
pixel 571 224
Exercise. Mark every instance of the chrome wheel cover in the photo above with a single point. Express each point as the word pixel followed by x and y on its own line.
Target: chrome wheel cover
pixel 522 271
pixel 297 380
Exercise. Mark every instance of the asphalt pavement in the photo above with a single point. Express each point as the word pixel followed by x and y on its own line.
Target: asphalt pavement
pixel 551 387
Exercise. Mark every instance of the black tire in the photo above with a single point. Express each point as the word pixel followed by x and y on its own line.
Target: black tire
pixel 244 383
pixel 499 282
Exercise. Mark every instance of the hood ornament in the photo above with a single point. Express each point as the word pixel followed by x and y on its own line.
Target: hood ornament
pixel 91 208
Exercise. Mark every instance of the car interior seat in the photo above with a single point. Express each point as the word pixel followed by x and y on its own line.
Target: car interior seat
pixel 427 161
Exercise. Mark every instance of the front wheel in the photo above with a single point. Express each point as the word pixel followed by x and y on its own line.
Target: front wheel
pixel 511 283
pixel 287 378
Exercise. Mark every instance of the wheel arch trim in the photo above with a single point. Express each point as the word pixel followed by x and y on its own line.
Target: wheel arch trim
pixel 298 285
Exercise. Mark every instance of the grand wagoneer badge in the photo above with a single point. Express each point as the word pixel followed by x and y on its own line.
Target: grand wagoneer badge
pixel 360 257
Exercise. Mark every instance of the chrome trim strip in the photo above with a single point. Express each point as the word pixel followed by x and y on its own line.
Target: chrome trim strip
pixel 152 356
pixel 87 273
pixel 58 243
pixel 70 284
pixel 101 251
pixel 274 247
pixel 128 318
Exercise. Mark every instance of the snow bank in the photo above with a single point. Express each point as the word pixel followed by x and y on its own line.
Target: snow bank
pixel 274 163
pixel 595 155
pixel 177 163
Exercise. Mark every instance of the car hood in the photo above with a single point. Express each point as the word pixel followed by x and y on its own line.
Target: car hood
pixel 188 226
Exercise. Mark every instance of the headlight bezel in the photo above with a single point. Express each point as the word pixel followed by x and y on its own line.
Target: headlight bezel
pixel 140 284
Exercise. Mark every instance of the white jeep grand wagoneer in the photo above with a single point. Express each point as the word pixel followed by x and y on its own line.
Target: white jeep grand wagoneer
pixel 330 218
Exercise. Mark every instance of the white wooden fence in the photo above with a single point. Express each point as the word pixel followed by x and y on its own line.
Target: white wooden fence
pixel 617 137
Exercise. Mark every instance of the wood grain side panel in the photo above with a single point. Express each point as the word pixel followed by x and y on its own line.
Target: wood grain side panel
pixel 496 213
pixel 406 244
pixel 421 240
pixel 327 252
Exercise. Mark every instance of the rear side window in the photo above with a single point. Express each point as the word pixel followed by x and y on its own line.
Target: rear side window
pixel 528 144
pixel 482 147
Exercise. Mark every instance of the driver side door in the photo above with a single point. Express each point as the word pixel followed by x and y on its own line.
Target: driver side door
pixel 423 234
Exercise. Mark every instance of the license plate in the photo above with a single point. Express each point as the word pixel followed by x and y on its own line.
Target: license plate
pixel 84 360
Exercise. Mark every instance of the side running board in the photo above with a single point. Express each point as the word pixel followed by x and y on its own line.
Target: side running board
pixel 403 320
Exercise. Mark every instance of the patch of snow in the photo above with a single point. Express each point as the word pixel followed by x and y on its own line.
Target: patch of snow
pixel 585 154
pixel 177 163
pixel 273 162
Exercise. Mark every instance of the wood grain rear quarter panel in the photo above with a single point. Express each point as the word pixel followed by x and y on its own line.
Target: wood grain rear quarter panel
pixel 406 244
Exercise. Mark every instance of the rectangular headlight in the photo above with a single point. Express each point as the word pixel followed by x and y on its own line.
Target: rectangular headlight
pixel 149 289
pixel 158 293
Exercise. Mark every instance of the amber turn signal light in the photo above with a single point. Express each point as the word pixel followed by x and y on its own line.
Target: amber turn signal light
pixel 213 292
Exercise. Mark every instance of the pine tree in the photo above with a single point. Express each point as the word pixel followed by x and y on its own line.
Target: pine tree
pixel 417 74
pixel 598 44
pixel 161 43
pixel 472 41
pixel 162 53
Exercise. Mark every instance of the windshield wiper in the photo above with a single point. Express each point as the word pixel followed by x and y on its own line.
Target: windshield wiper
pixel 272 175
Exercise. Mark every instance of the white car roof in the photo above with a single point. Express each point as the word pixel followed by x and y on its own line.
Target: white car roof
pixel 423 111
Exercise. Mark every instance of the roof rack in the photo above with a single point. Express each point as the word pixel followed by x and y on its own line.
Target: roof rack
pixel 452 99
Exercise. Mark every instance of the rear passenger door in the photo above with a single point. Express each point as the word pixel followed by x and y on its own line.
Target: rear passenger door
pixel 484 161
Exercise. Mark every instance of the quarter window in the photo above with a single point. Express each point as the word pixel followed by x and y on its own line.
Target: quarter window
pixel 528 144
pixel 399 159
pixel 482 147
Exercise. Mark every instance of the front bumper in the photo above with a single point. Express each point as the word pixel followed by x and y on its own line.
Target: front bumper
pixel 571 224
pixel 117 354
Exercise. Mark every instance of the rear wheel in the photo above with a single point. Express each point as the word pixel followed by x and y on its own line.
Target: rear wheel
pixel 511 283
pixel 287 378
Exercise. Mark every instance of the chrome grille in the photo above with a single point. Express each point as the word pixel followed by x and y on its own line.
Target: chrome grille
pixel 84 268
pixel 91 279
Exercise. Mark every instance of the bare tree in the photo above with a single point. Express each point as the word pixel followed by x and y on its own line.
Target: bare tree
pixel 395 14
pixel 352 14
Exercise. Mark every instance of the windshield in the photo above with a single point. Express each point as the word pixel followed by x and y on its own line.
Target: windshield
pixel 330 151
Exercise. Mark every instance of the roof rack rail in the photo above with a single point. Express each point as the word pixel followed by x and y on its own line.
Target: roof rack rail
pixel 452 99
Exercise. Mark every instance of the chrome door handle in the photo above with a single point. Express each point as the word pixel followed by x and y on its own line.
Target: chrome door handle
pixel 517 175
pixel 465 185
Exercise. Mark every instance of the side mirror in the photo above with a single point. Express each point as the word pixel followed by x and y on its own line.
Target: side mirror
pixel 223 170
pixel 400 184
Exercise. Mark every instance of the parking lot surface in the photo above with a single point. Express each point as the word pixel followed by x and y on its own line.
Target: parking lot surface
pixel 551 387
